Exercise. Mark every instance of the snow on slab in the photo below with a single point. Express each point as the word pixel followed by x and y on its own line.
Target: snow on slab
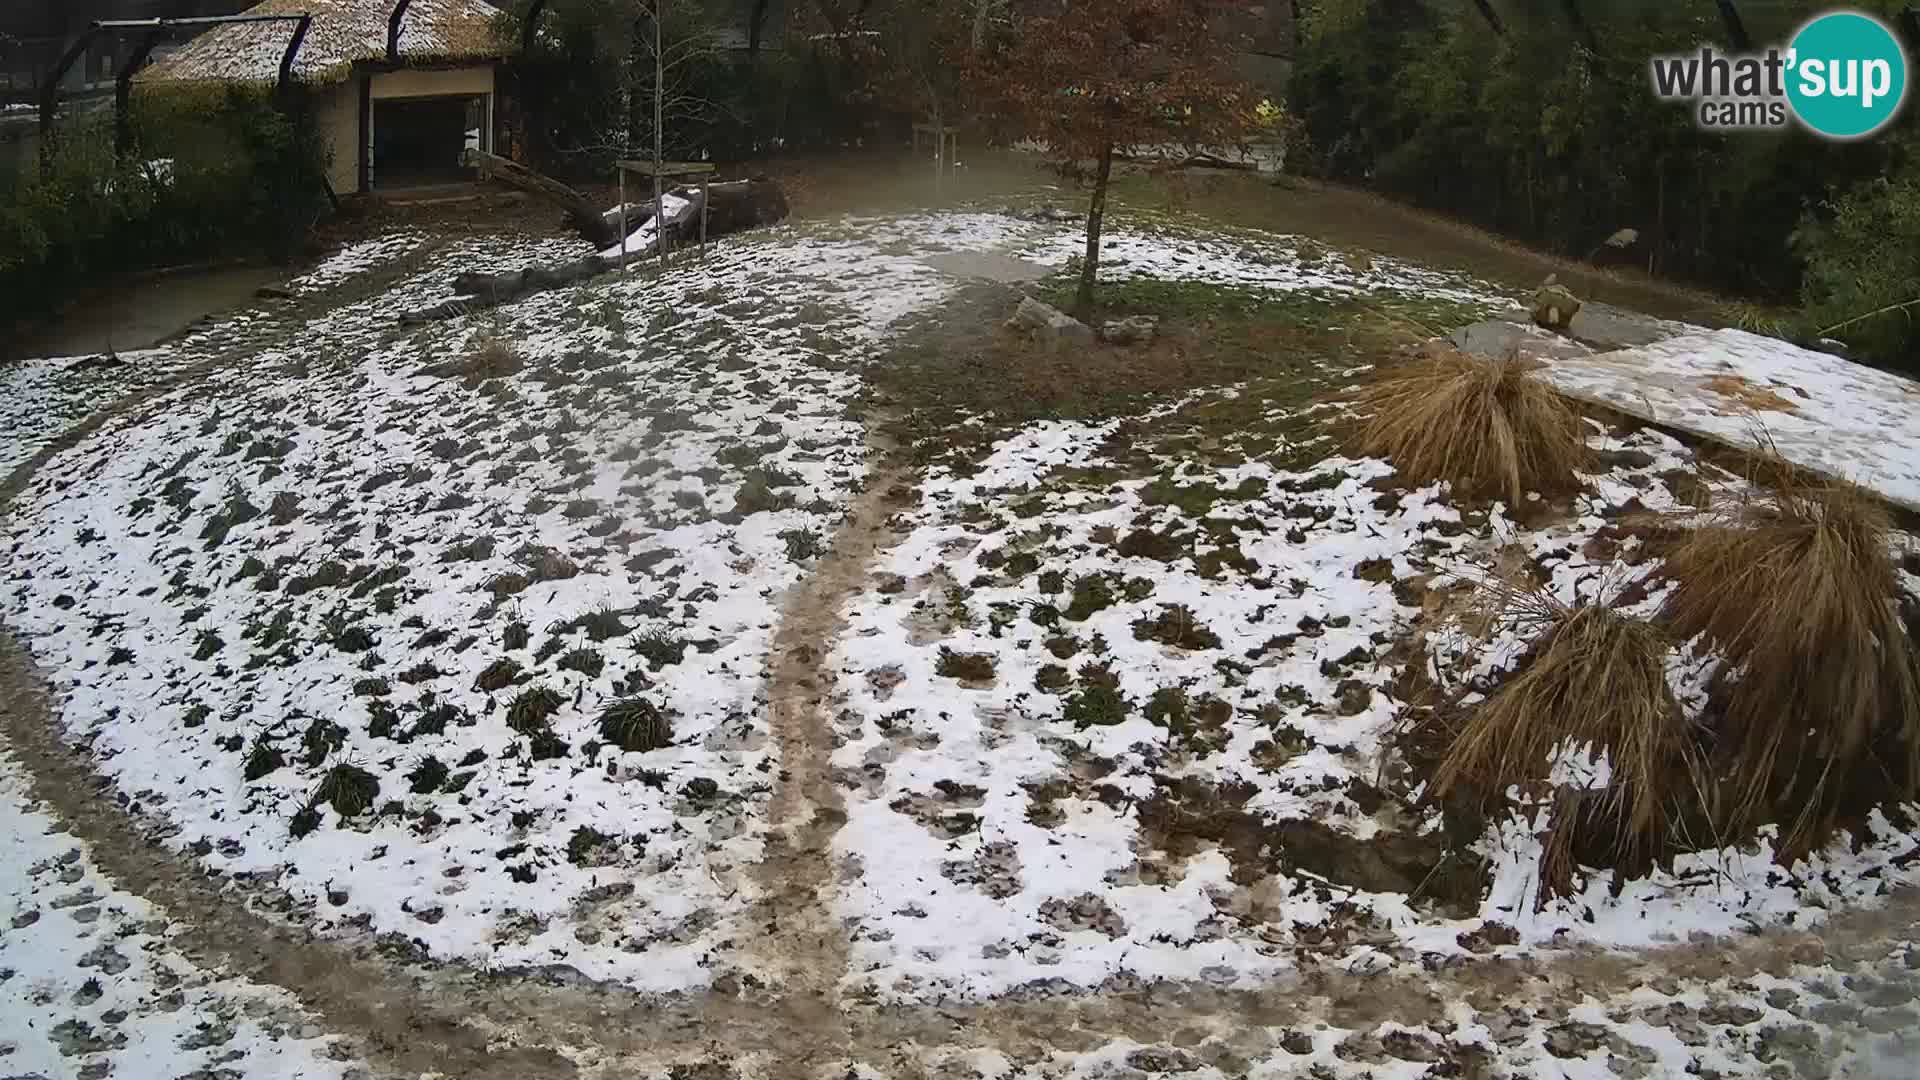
pixel 640 240
pixel 1815 409
pixel 92 981
pixel 309 560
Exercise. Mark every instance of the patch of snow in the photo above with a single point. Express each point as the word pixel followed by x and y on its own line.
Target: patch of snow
pixel 356 259
pixel 92 980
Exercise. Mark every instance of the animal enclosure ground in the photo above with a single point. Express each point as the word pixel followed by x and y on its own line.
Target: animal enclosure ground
pixel 525 643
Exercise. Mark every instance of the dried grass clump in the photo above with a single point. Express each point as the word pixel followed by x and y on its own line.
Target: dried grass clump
pixel 1595 682
pixel 1487 427
pixel 491 358
pixel 1819 694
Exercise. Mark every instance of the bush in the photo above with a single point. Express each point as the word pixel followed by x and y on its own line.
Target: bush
pixel 1862 255
pixel 1817 698
pixel 1594 683
pixel 1537 136
pixel 1487 427
pixel 213 173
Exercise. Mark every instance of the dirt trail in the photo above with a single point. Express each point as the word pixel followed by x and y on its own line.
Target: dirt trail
pixel 800 951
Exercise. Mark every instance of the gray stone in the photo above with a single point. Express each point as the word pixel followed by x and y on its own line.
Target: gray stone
pixel 1891 1020
pixel 1048 323
pixel 1553 307
pixel 1132 330
pixel 1083 912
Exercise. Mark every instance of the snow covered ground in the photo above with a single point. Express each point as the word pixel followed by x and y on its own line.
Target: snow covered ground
pixel 90 986
pixel 41 397
pixel 1116 712
pixel 357 612
pixel 371 615
pixel 357 258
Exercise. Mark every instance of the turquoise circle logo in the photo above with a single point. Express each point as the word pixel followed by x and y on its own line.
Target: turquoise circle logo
pixel 1847 75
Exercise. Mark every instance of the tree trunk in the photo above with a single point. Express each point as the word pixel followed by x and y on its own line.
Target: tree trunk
pixel 582 216
pixel 1736 27
pixel 659 132
pixel 1090 267
pixel 756 24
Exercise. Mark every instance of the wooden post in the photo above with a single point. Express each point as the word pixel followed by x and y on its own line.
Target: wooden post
pixel 623 215
pixel 703 218
pixel 659 134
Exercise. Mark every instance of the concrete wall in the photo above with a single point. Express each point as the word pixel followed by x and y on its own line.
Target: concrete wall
pixel 393 84
pixel 339 117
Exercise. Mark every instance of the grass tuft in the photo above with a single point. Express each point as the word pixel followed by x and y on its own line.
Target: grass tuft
pixel 349 788
pixel 586 661
pixel 660 648
pixel 967 667
pixel 530 711
pixel 1819 688
pixel 1594 684
pixel 1486 427
pixel 635 724
pixel 491 358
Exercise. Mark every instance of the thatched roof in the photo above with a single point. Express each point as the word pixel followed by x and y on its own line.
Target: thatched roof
pixel 343 33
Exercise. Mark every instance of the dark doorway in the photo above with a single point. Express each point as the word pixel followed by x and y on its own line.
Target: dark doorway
pixel 418 141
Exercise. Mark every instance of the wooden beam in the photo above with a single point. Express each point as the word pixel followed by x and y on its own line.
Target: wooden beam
pixel 1491 16
pixel 393 30
pixel 666 169
pixel 532 25
pixel 286 59
pixel 50 94
pixel 123 95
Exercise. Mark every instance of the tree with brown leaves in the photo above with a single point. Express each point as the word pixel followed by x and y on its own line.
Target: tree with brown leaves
pixel 1092 78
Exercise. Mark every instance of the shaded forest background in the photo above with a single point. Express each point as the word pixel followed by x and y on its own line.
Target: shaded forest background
pixel 1539 123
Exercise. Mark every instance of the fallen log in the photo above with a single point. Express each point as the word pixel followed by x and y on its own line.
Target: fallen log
pixel 582 216
pixel 733 207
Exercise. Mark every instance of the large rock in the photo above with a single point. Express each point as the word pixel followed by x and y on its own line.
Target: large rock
pixel 1132 330
pixel 1048 323
pixel 1554 306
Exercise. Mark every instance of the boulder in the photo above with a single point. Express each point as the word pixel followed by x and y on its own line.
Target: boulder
pixel 1132 330
pixel 1046 322
pixel 1553 307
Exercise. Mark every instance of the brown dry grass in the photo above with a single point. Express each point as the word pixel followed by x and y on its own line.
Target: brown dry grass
pixel 1595 679
pixel 1820 690
pixel 492 358
pixel 1756 398
pixel 1487 427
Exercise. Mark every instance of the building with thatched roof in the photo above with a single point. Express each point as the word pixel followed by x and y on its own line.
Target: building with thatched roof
pixel 397 109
